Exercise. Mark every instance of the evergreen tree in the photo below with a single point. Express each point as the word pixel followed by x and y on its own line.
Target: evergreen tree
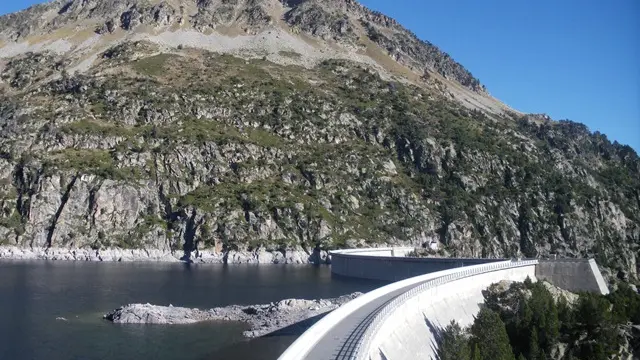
pixel 599 337
pixel 534 347
pixel 566 317
pixel 453 344
pixel 476 353
pixel 545 317
pixel 589 328
pixel 593 311
pixel 528 283
pixel 626 304
pixel 489 337
pixel 522 328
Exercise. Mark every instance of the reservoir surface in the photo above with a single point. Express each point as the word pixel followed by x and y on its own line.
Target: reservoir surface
pixel 53 310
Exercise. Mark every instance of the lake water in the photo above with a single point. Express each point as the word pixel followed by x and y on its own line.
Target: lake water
pixel 33 294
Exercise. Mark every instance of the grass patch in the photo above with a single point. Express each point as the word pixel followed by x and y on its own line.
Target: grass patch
pixel 265 195
pixel 97 162
pixel 98 108
pixel 264 138
pixel 13 221
pixel 152 66
pixel 201 131
pixel 192 130
pixel 88 127
pixel 290 54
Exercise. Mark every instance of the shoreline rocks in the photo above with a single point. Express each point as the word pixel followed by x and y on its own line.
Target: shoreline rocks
pixel 155 255
pixel 262 319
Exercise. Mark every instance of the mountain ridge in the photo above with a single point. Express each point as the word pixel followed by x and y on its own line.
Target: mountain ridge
pixel 341 21
pixel 251 127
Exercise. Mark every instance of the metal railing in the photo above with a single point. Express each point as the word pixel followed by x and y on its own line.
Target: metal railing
pixel 361 350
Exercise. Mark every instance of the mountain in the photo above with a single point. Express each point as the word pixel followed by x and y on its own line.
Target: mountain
pixel 246 125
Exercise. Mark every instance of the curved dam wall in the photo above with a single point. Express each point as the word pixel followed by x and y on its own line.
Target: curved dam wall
pixel 305 346
pixel 402 320
pixel 390 264
pixel 409 329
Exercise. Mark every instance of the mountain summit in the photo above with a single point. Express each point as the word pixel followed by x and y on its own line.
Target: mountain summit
pixel 316 30
pixel 260 130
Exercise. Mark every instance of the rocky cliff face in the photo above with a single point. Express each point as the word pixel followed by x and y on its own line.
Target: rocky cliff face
pixel 133 136
pixel 341 21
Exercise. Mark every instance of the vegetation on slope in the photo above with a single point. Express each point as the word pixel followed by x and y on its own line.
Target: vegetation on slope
pixel 248 154
pixel 527 322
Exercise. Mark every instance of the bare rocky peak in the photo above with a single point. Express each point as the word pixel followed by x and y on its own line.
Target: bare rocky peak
pixel 345 22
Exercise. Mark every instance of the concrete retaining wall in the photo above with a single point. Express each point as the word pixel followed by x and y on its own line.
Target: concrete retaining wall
pixel 410 330
pixel 389 264
pixel 442 289
pixel 301 347
pixel 573 275
pixel 388 252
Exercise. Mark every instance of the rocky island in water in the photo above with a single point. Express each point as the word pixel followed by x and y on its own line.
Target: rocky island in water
pixel 262 319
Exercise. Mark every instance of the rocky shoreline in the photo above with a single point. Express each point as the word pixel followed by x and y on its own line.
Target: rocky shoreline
pixel 262 319
pixel 155 255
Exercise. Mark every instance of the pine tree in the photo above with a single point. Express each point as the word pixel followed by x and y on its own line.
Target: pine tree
pixel 453 344
pixel 626 304
pixel 534 347
pixel 520 327
pixel 595 320
pixel 545 317
pixel 566 317
pixel 489 335
pixel 528 283
pixel 476 353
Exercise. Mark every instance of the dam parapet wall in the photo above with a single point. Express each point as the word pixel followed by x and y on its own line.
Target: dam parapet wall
pixel 392 264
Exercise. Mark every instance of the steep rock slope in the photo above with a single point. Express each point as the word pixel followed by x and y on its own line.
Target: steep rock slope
pixel 316 30
pixel 180 148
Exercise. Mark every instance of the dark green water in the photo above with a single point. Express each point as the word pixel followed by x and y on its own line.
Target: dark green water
pixel 34 294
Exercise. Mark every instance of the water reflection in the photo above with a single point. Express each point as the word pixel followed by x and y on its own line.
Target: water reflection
pixel 34 294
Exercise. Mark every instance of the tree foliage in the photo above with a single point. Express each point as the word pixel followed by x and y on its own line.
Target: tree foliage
pixel 489 335
pixel 537 327
pixel 454 344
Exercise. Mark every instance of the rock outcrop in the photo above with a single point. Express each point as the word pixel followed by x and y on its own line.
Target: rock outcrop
pixel 262 319
pixel 250 130
pixel 341 21
pixel 261 256
pixel 509 295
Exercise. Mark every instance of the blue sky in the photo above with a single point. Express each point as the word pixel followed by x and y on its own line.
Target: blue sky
pixel 571 59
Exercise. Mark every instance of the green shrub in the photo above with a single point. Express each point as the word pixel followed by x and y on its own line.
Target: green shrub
pixel 152 66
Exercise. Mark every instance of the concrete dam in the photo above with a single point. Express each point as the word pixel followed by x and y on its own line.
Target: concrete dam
pixel 401 320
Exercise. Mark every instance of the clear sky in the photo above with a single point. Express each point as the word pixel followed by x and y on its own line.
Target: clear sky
pixel 571 59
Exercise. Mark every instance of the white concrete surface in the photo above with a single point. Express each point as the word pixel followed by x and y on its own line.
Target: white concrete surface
pixel 573 275
pixel 601 284
pixel 401 320
pixel 321 340
pixel 388 251
pixel 307 341
pixel 409 330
